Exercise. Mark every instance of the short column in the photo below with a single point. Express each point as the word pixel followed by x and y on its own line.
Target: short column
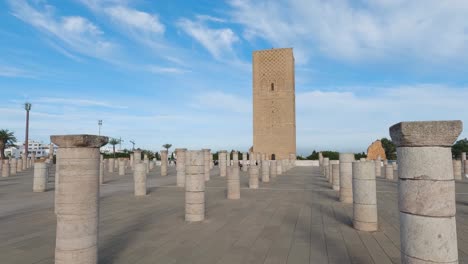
pixel 426 190
pixel 466 168
pixel 139 179
pixel 77 199
pixel 273 169
pixel 136 156
pixel 378 168
pixel 364 196
pixel 194 186
pixel 233 183
pixel 121 167
pixel 206 159
pixel 253 177
pixel 101 170
pixel 180 166
pixel 326 167
pixel 110 165
pixel 457 169
pixel 6 168
pixel 279 167
pixel 336 177
pixel 25 161
pixel 222 158
pixel 346 177
pixel 389 172
pixel 40 177
pixel 265 171
pixel 331 163
pixel 163 162
pixel 244 161
pixel 19 165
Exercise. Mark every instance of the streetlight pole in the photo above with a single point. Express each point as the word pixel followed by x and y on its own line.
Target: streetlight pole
pixel 27 107
pixel 99 124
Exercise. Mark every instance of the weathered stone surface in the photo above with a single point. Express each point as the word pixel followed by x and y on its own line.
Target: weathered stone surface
pixel 346 177
pixel 336 177
pixel 206 156
pixel 41 172
pixel 139 179
pixel 389 172
pixel 233 183
pixel 222 157
pixel 265 171
pixel 164 162
pixel 194 186
pixel 376 151
pixel 79 141
pixel 364 196
pixel 326 167
pixel 273 169
pixel 5 168
pixel 457 169
pixel 426 133
pixel 253 177
pixel 180 166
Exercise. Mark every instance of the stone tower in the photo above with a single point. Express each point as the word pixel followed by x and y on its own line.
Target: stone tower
pixel 274 103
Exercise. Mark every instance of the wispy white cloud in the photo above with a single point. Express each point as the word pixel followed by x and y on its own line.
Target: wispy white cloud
pixel 158 69
pixel 135 19
pixel 12 72
pixel 218 100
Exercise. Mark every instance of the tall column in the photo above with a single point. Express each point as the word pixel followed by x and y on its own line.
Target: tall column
pixel 206 158
pixel 121 167
pixel 378 168
pixel 265 171
pixel 426 190
pixel 77 204
pixel 364 196
pixel 222 162
pixel 457 169
pixel 336 177
pixel 228 159
pixel 346 177
pixel 139 179
pixel 253 177
pixel 180 166
pixel 5 168
pixel 258 156
pixel 233 183
pixel 110 165
pixel 41 172
pixel 273 169
pixel 194 186
pixel 163 162
pixel 389 172
pixel 244 161
pixel 326 167
pixel 13 165
pixel 19 165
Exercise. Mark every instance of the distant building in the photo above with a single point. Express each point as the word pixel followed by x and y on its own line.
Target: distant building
pixel 38 148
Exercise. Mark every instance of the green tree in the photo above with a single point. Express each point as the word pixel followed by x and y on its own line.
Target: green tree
pixel 7 138
pixel 358 156
pixel 113 142
pixel 332 155
pixel 390 149
pixel 167 146
pixel 459 147
pixel 313 156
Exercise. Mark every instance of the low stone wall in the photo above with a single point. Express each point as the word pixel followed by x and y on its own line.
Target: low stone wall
pixel 307 163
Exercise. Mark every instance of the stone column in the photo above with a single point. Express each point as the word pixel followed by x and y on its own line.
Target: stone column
pixel 33 158
pixel 364 196
pixel 41 172
pixel 131 160
pixel 457 169
pixel 180 166
pixel 211 161
pixel 6 168
pixel 463 158
pixel 146 162
pixel 466 168
pixel 426 190
pixel 121 167
pixel 389 172
pixel 110 165
pixel 273 169
pixel 163 162
pixel 233 183
pixel 101 170
pixel 77 204
pixel 331 163
pixel 151 164
pixel 228 159
pixel 19 165
pixel 378 168
pixel 326 167
pixel 252 159
pixel 235 158
pixel 265 171
pixel 25 162
pixel 194 186
pixel 136 156
pixel 206 158
pixel 13 165
pixel 253 177
pixel 222 162
pixel 258 157
pixel 139 179
pixel 346 177
pixel 395 170
pixel 279 167
pixel 320 160
pixel 244 161
pixel 336 177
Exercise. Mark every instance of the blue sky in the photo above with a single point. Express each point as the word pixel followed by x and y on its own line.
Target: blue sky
pixel 180 71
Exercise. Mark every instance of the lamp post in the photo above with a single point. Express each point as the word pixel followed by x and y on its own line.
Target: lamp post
pixel 27 107
pixel 99 124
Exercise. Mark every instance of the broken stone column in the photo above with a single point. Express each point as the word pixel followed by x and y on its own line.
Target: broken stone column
pixel 244 161
pixel 426 190
pixel 13 164
pixel 222 162
pixel 346 177
pixel 364 196
pixel 457 169
pixel 139 179
pixel 19 165
pixel 265 171
pixel 206 156
pixel 163 162
pixel 6 168
pixel 110 165
pixel 180 166
pixel 77 198
pixel 121 167
pixel 41 172
pixel 194 186
pixel 273 169
pixel 279 168
pixel 326 167
pixel 233 183
pixel 336 177
pixel 378 168
pixel 389 172
pixel 253 177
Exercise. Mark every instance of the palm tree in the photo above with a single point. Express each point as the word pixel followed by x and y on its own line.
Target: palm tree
pixel 6 138
pixel 167 146
pixel 113 142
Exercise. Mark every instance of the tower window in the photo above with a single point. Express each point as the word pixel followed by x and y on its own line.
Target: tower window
pixel 272 87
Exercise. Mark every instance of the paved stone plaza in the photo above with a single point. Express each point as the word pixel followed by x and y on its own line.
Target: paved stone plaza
pixel 295 218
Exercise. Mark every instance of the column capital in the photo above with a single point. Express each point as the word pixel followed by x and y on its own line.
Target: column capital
pixel 426 133
pixel 79 141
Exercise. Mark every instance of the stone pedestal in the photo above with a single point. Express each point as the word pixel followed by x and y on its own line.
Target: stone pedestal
pixel 388 172
pixel 364 196
pixel 163 162
pixel 346 177
pixel 253 177
pixel 139 179
pixel 273 169
pixel 233 183
pixel 426 190
pixel 77 199
pixel 194 186
pixel 206 158
pixel 457 169
pixel 13 166
pixel 326 167
pixel 222 157
pixel 180 166
pixel 41 172
pixel 110 165
pixel 336 177
pixel 5 168
pixel 265 171
pixel 121 168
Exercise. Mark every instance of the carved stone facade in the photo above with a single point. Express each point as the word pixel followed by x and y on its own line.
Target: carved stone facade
pixel 274 103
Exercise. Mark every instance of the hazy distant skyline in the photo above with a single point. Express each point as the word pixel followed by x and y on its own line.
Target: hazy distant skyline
pixel 179 72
